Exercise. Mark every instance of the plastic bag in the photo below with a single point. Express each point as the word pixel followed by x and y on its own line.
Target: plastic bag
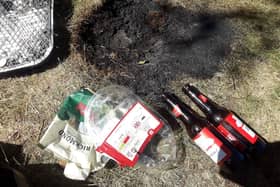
pixel 128 130
pixel 66 140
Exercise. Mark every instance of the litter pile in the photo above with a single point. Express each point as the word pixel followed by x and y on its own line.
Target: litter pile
pixel 115 124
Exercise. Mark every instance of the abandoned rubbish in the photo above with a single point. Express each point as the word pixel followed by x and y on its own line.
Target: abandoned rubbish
pixel 128 130
pixel 203 134
pixel 112 123
pixel 228 123
pixel 66 140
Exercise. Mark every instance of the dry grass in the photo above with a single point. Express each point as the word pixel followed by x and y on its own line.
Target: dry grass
pixel 250 81
pixel 82 9
pixel 249 84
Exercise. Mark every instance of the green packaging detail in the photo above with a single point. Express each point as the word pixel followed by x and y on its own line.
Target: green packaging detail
pixel 75 104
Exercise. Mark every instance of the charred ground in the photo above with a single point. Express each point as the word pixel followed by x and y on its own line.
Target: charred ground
pixel 169 40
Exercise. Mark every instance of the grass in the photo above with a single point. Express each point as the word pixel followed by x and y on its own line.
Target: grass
pixel 82 9
pixel 276 93
pixel 248 84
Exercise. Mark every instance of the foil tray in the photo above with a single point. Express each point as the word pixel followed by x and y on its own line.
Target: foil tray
pixel 26 33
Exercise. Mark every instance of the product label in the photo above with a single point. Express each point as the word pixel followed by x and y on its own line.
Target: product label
pixel 242 128
pixel 203 98
pixel 75 105
pixel 231 138
pixel 68 144
pixel 131 135
pixel 177 111
pixel 81 107
pixel 212 146
pixel 70 137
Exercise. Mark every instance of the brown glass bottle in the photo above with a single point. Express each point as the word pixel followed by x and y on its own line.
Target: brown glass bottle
pixel 233 128
pixel 203 134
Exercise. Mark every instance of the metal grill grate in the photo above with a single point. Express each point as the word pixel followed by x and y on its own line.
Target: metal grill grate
pixel 26 32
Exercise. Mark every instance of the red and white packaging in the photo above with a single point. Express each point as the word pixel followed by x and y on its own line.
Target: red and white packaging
pixel 242 128
pixel 177 111
pixel 212 146
pixel 130 135
pixel 231 138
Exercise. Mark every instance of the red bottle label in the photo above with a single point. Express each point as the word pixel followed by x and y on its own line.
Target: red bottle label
pixel 242 128
pixel 203 98
pixel 177 111
pixel 231 138
pixel 212 146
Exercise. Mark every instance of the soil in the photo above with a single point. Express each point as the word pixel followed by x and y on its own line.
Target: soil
pixel 144 45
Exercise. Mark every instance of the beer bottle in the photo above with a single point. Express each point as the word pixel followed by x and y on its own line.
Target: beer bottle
pixel 203 134
pixel 228 123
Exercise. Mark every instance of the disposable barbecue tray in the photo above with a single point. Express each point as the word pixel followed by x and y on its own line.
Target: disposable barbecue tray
pixel 26 33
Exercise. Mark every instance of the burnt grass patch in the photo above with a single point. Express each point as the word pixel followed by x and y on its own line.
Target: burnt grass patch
pixel 168 41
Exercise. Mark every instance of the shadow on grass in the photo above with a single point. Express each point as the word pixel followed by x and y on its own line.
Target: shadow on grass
pixel 259 38
pixel 277 2
pixel 62 12
pixel 263 171
pixel 44 175
pixel 173 41
pixel 264 23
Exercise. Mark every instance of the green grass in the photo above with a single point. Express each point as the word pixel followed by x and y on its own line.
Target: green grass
pixel 277 92
pixel 274 56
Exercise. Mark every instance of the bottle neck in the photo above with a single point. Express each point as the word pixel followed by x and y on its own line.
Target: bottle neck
pixel 208 107
pixel 203 104
pixel 180 110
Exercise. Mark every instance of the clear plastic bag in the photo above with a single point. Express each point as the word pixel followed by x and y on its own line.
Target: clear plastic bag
pixel 128 130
